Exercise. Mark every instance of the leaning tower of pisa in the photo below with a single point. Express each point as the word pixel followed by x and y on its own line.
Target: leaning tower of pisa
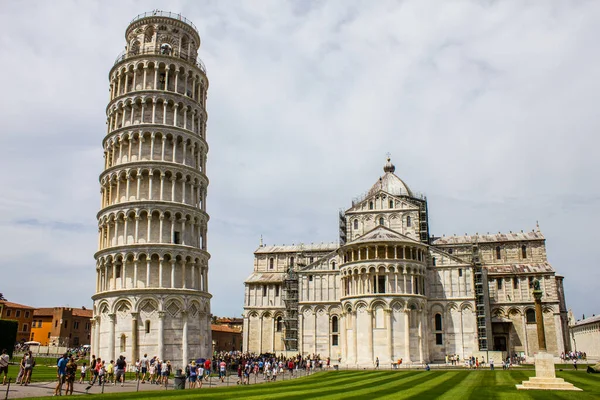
pixel 152 263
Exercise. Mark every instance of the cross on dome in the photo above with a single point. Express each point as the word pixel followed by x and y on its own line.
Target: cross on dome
pixel 389 167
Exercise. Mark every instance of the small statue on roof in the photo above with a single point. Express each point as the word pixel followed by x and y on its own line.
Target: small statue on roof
pixel 536 284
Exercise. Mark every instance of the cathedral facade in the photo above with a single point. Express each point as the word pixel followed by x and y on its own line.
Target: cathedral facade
pixel 389 290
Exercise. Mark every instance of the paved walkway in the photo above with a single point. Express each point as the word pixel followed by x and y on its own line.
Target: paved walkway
pixel 39 389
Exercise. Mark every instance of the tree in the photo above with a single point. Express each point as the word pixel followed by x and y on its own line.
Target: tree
pixel 2 297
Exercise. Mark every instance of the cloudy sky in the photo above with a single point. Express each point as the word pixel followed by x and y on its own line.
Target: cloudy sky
pixel 489 108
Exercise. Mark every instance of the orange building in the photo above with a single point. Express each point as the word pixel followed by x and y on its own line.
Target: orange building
pixel 62 326
pixel 20 313
pixel 226 338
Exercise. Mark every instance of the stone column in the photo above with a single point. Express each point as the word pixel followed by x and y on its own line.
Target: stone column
pixel 343 338
pixel 420 321
pixel 370 335
pixel 407 334
pixel 354 336
pixel 185 356
pixel 161 334
pixel 389 334
pixel 134 337
pixel 300 333
pixel 111 337
pixel 539 318
pixel 315 332
pixel 260 335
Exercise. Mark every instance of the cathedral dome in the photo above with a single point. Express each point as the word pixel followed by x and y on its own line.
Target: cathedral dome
pixel 390 183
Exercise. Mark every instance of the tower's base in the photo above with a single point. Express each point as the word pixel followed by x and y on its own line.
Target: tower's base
pixel 545 376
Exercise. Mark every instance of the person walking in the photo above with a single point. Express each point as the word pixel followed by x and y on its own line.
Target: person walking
pixel 4 360
pixel 193 374
pixel 83 373
pixel 376 362
pixel 144 364
pixel 71 371
pixel 120 371
pixel 491 360
pixel 61 372
pixel 93 371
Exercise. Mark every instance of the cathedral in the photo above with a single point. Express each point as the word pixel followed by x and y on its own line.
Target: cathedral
pixel 390 290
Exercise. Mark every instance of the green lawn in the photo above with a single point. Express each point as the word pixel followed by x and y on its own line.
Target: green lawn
pixel 349 385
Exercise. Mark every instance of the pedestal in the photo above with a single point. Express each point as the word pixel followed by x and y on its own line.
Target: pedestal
pixel 545 376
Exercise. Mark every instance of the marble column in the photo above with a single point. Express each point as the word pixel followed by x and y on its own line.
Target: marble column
pixel 420 322
pixel 389 334
pixel 111 336
pixel 134 337
pixel 407 335
pixel 354 336
pixel 161 334
pixel 185 356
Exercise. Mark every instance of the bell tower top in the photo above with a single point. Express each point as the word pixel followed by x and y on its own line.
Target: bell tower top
pixel 162 33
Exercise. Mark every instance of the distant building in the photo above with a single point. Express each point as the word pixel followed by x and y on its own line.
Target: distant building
pixel 61 326
pixel 585 335
pixel 226 338
pixel 20 313
pixel 391 290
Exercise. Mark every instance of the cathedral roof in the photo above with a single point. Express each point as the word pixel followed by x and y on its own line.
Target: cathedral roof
pixel 489 238
pixel 390 183
pixel 382 234
pixel 265 277
pixel 586 321
pixel 297 248
pixel 514 269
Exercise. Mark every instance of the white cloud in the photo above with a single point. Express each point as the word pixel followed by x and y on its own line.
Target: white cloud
pixel 487 107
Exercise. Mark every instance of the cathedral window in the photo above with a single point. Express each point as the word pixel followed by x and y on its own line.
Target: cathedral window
pixel 439 339
pixel 291 261
pixel 271 263
pixel 334 324
pixel 515 283
pixel 264 289
pixel 333 265
pixel 450 251
pixel 438 322
pixel 310 278
pixel 460 272
pixel 498 256
pixel 355 224
pixel 381 221
pixel 408 221
pixel 530 316
pixel 276 290
pixel 371 205
pixel 524 251
pixel 279 324
pixel 311 260
pixel 381 284
pixel 147 326
pixel 499 283
pixel 391 203
pixel 433 261
pixel 123 343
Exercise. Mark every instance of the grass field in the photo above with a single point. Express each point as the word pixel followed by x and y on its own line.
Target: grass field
pixel 349 385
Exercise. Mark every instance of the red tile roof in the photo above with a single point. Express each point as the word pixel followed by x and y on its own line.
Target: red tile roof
pixel 14 305
pixel 223 328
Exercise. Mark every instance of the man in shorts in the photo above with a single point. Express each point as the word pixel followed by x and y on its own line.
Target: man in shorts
pixel 61 373
pixel 4 359
pixel 144 363
pixel 222 370
pixel 120 370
